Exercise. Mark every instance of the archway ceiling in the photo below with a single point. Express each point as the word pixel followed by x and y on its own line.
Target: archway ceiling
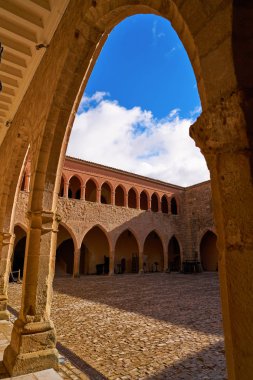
pixel 24 24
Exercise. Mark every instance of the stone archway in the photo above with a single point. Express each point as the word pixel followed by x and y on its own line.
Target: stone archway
pixel 174 261
pixel 64 259
pixel 226 98
pixel 95 251
pixel 209 252
pixel 153 259
pixel 18 251
pixel 126 253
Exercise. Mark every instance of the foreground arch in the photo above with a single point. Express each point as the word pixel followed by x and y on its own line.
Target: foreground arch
pixel 223 133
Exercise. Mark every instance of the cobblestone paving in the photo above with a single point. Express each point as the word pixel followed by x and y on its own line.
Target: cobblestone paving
pixel 133 327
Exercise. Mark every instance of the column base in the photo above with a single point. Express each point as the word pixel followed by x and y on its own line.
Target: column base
pixel 4 315
pixel 32 348
pixel 141 271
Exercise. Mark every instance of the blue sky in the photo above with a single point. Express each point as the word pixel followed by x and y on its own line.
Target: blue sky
pixel 139 103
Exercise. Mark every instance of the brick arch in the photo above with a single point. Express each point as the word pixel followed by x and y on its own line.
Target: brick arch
pixel 200 236
pixel 120 186
pixel 93 179
pixel 71 233
pixel 111 190
pixel 103 230
pixel 129 201
pixel 166 197
pixel 148 199
pixel 123 229
pixel 156 196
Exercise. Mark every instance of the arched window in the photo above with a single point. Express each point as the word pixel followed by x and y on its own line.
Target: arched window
pixel 154 203
pixel 173 206
pixel 164 205
pixel 106 194
pixel 74 188
pixel 119 196
pixel 144 200
pixel 132 200
pixel 90 191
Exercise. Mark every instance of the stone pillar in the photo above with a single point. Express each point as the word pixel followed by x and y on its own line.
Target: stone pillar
pixel 149 203
pixel 113 198
pixel 7 244
pixel 141 263
pixel 98 195
pixel 222 135
pixel 66 189
pixel 82 197
pixel 112 263
pixel 138 201
pixel 32 346
pixel 159 204
pixel 76 268
pixel 126 199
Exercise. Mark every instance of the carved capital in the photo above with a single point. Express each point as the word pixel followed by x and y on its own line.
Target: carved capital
pixel 45 220
pixel 6 238
pixel 222 128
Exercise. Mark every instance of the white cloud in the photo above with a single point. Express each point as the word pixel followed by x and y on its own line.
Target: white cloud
pixel 133 140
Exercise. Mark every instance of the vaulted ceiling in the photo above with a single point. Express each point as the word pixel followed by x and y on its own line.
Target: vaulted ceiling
pixel 26 29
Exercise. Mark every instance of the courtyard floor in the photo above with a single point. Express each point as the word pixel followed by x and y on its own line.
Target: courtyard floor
pixel 152 326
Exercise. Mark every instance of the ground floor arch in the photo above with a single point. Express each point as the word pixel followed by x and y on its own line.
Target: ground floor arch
pixel 153 260
pixel 174 258
pixel 126 253
pixel 94 258
pixel 64 260
pixel 18 256
pixel 209 252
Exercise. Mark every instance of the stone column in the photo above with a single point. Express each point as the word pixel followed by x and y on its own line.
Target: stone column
pixel 32 346
pixel 141 271
pixel 149 203
pixel 7 244
pixel 126 199
pixel 138 201
pixel 98 196
pixel 113 198
pixel 165 261
pixel 83 192
pixel 66 189
pixel 112 263
pixel 222 135
pixel 76 268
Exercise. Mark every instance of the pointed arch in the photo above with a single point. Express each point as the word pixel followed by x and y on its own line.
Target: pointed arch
pixel 154 202
pixel 174 206
pixel 106 193
pixel 144 200
pixel 18 257
pixel 153 253
pixel 75 184
pixel 174 255
pixel 164 204
pixel 95 251
pixel 132 198
pixel 209 251
pixel 91 190
pixel 64 260
pixel 126 253
pixel 120 193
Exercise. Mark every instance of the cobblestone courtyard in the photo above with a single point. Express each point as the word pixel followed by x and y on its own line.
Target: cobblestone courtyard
pixel 154 326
